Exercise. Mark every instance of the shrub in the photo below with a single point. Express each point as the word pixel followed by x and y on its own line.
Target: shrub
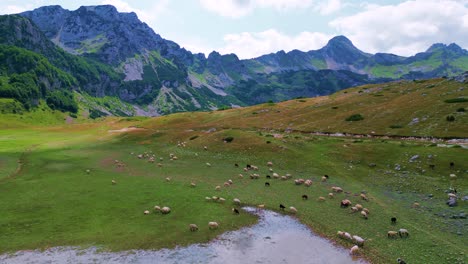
pixel 450 118
pixel 396 126
pixel 268 142
pixel 355 117
pixel 194 137
pixel 334 107
pixel 228 139
pixel 461 109
pixel 456 100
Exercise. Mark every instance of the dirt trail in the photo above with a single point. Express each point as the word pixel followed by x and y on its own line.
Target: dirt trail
pixel 21 161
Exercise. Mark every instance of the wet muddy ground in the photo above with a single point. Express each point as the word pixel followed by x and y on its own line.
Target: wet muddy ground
pixel 275 239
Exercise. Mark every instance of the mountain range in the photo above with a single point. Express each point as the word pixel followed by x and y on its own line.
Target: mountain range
pixel 105 62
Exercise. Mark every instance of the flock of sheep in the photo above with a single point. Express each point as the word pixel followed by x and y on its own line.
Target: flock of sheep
pixel 335 190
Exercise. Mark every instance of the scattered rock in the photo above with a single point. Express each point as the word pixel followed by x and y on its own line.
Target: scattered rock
pixel 414 158
pixel 452 202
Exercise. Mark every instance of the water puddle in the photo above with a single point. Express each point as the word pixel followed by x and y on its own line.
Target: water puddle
pixel 275 239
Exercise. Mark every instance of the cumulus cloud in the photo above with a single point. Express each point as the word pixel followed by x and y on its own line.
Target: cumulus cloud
pixel 240 8
pixel 408 27
pixel 249 45
pixel 14 9
pixel 148 15
pixel 329 7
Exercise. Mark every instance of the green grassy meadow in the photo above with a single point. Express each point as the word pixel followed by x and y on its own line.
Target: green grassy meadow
pixel 48 199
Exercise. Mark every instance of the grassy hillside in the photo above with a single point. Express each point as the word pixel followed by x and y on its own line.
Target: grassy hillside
pixel 62 204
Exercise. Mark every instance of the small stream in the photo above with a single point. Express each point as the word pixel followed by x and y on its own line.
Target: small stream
pixel 275 239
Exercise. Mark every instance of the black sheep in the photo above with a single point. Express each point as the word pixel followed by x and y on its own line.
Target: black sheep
pixel 452 165
pixel 326 176
pixel 431 166
pixel 282 207
pixel 268 177
pixel 267 184
pixel 400 261
pixel 235 211
pixel 305 197
pixel 236 165
pixel 393 219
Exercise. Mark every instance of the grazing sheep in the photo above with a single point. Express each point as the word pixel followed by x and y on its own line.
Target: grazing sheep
pixel 221 200
pixel 270 169
pixel 236 165
pixel 331 195
pixel 254 168
pixel 392 234
pixel 299 181
pixel 358 206
pixel 207 199
pixel 160 165
pixel 217 188
pixel 168 179
pixel 284 178
pixel 215 198
pixel 288 176
pixel 324 179
pixel 192 184
pixel 321 198
pixel 245 169
pixel 345 203
pixel 354 209
pixel 292 210
pixel 281 206
pixel 248 166
pixel 393 220
pixel 365 210
pixel 275 175
pixel 364 214
pixel 165 210
pixel 157 208
pixel 308 183
pixel 364 197
pixel 230 181
pixel 416 205
pixel 400 261
pixel 268 177
pixel 452 164
pixel 261 206
pixel 305 197
pixel 359 241
pixel 113 182
pixel 452 196
pixel 213 225
pixel 226 184
pixel 146 212
pixel 267 184
pixel 241 176
pixel 208 164
pixel 452 176
pixel 337 189
pixel 236 201
pixel 344 235
pixel 403 233
pixel 354 250
pixel 205 147
pixel 269 164
pixel 88 171
pixel 193 227
pixel 431 166
pixel 235 211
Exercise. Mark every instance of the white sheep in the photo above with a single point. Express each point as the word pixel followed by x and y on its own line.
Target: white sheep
pixel 292 210
pixel 114 182
pixel 221 200
pixel 236 201
pixel 403 232
pixel 207 199
pixel 88 171
pixel 366 210
pixel 193 227
pixel 354 209
pixel 364 197
pixel 358 206
pixel 241 176
pixel 392 234
pixel 364 214
pixel 453 176
pixel 344 235
pixel 157 208
pixel 331 195
pixel 337 189
pixel 261 206
pixel 192 184
pixel 324 179
pixel 359 241
pixel 208 164
pixel 226 184
pixel 230 181
pixel 275 175
pixel 217 188
pixel 354 250
pixel 168 179
pixel 269 164
pixel 321 198
pixel 308 183
pixel 213 225
pixel 165 210
pixel 146 212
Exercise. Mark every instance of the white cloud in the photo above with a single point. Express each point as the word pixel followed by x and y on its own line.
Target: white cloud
pixel 148 15
pixel 249 45
pixel 329 7
pixel 240 8
pixel 14 9
pixel 408 27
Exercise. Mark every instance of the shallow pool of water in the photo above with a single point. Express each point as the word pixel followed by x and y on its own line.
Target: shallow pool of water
pixel 275 239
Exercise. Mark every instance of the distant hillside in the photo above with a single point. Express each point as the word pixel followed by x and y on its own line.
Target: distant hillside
pixel 107 54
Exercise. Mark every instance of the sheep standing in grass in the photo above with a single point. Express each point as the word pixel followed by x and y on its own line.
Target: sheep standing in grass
pixel 236 201
pixel 217 188
pixel 213 225
pixel 364 197
pixel 235 211
pixel 403 233
pixel 269 164
pixel 331 195
pixel 336 189
pixel 354 209
pixel 358 206
pixel 88 171
pixel 208 164
pixel 261 206
pixel 321 199
pixel 308 183
pixel 157 208
pixel 345 203
pixel 193 227
pixel 114 182
pixel 392 234
pixel 192 184
pixel 393 220
pixel 275 175
pixel 168 179
pixel 146 212
pixel 364 215
pixel 359 241
pixel 345 235
pixel 400 261
pixel 292 210
pixel 366 211
pixel 305 197
pixel 165 210
pixel 221 200
pixel 354 250
pixel 208 199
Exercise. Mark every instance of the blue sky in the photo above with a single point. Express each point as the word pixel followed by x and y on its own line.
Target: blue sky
pixel 251 28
